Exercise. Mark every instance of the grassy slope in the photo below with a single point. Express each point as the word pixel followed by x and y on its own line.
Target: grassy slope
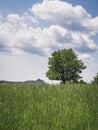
pixel 48 107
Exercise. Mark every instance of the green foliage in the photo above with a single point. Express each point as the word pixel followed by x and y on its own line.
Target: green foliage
pixel 65 66
pixel 95 79
pixel 48 107
pixel 82 82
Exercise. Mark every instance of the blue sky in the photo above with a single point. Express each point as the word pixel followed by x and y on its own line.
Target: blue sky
pixel 30 30
pixel 90 5
pixel 19 6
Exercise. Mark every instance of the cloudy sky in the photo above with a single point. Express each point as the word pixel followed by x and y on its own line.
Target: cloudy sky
pixel 30 30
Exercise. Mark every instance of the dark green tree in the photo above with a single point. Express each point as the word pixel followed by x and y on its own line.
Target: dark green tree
pixel 95 79
pixel 64 66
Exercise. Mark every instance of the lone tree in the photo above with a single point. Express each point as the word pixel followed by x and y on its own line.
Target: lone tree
pixel 64 66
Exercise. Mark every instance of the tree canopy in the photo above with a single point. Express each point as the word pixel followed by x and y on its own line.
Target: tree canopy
pixel 95 79
pixel 64 66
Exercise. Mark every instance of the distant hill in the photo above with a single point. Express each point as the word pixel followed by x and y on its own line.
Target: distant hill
pixel 5 81
pixel 38 81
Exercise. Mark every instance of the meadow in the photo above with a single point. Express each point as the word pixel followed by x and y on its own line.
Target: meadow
pixel 48 107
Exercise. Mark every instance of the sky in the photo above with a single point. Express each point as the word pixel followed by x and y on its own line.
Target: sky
pixel 31 30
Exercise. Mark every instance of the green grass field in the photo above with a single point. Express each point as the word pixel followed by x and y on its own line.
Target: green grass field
pixel 48 107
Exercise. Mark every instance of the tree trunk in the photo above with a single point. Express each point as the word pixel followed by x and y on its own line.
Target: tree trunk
pixel 63 81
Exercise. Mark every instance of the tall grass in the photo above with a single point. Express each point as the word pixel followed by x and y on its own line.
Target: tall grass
pixel 48 107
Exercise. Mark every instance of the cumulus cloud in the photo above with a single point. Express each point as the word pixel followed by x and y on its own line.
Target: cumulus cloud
pixel 86 58
pixel 74 18
pixel 51 9
pixel 1 17
pixel 66 26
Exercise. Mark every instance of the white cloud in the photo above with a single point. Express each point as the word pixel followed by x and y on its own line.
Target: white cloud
pixel 92 25
pixel 52 9
pixel 64 14
pixel 1 17
pixel 69 27
pixel 75 19
pixel 86 58
pixel 26 17
pixel 13 18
